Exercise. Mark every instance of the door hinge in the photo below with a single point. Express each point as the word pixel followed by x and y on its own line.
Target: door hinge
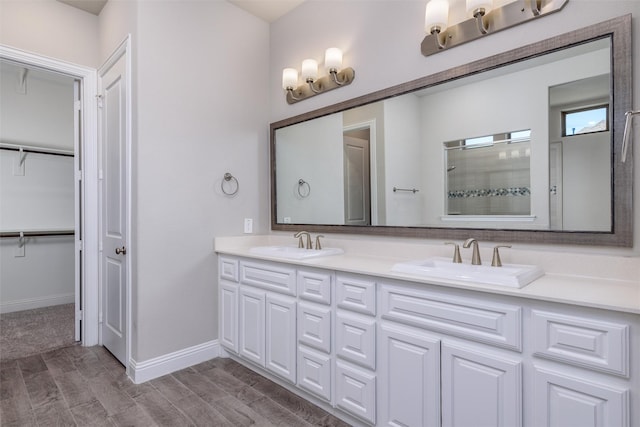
pixel 77 105
pixel 78 175
pixel 79 315
pixel 80 245
pixel 99 99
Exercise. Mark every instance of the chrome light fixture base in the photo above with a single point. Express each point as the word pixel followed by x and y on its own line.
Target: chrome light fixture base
pixel 323 84
pixel 507 16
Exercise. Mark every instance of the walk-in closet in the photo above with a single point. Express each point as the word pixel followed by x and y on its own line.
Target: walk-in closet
pixel 38 210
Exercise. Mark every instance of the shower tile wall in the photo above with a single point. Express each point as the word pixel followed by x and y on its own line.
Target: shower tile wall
pixel 489 181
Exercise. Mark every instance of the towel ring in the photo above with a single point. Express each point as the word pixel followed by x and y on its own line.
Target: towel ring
pixel 301 184
pixel 229 178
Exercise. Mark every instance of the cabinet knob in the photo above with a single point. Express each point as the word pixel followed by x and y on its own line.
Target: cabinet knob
pixel 121 251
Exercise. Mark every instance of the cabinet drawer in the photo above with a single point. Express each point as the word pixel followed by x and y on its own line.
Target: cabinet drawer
pixel 356 294
pixel 228 269
pixel 315 286
pixel 314 373
pixel 493 323
pixel 595 344
pixel 314 326
pixel 356 391
pixel 269 276
pixel 356 339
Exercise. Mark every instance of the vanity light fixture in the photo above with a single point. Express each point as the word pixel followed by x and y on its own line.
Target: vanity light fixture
pixel 484 19
pixel 312 84
pixel 478 9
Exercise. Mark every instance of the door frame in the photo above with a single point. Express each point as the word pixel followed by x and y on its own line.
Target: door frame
pixel 123 50
pixel 89 174
pixel 373 164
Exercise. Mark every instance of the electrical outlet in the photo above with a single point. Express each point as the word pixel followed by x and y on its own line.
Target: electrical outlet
pixel 248 225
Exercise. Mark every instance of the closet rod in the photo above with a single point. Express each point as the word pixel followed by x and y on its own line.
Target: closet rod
pixel 41 150
pixel 37 233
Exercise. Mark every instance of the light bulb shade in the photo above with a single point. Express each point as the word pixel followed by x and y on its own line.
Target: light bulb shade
pixel 289 78
pixel 436 16
pixel 333 58
pixel 473 5
pixel 309 69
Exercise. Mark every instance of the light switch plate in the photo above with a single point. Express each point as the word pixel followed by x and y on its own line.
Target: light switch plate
pixel 248 225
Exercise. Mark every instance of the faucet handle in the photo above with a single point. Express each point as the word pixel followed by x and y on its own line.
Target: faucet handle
pixel 318 245
pixel 457 259
pixel 495 261
pixel 298 236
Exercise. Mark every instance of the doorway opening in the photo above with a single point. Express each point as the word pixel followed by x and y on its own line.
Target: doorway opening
pixel 49 220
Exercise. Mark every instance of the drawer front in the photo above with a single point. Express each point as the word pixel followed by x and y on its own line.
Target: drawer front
pixel 268 276
pixel 356 294
pixel 314 326
pixel 356 339
pixel 493 323
pixel 595 344
pixel 315 286
pixel 356 391
pixel 314 373
pixel 228 269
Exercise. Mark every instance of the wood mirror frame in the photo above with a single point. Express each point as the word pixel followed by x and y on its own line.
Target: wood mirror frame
pixel 621 234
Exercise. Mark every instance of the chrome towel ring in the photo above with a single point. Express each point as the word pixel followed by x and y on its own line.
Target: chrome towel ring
pixel 301 188
pixel 232 183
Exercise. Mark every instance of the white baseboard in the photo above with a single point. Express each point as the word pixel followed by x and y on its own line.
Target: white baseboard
pixel 140 372
pixel 31 303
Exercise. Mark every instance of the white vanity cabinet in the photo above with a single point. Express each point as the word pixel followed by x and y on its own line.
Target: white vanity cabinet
pixel 355 337
pixel 266 316
pixel 315 349
pixel 385 351
pixel 583 396
pixel 461 382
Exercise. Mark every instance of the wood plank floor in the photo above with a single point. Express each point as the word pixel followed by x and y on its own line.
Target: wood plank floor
pixel 86 386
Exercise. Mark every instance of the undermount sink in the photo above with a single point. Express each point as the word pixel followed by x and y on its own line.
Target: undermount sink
pixel 512 275
pixel 294 252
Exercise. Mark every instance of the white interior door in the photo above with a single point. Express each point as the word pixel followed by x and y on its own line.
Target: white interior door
pixel 114 130
pixel 357 204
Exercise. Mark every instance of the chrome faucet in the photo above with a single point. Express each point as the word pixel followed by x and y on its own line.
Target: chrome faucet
pixel 299 235
pixel 475 258
pixel 318 244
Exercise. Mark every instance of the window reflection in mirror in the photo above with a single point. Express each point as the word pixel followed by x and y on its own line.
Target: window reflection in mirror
pixel 489 175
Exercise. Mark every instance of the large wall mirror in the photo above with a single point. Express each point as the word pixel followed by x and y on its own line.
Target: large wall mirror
pixel 521 146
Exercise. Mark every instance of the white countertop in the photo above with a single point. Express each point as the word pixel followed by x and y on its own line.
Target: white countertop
pixel 598 281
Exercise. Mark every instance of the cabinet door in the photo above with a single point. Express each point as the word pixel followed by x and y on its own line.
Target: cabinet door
pixel 409 375
pixel 480 388
pixel 229 316
pixel 251 325
pixel 281 336
pixel 564 401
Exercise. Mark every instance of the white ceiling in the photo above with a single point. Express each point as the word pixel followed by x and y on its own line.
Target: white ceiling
pixel 269 10
pixel 91 6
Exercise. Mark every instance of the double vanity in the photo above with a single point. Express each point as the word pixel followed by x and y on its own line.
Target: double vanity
pixel 387 332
